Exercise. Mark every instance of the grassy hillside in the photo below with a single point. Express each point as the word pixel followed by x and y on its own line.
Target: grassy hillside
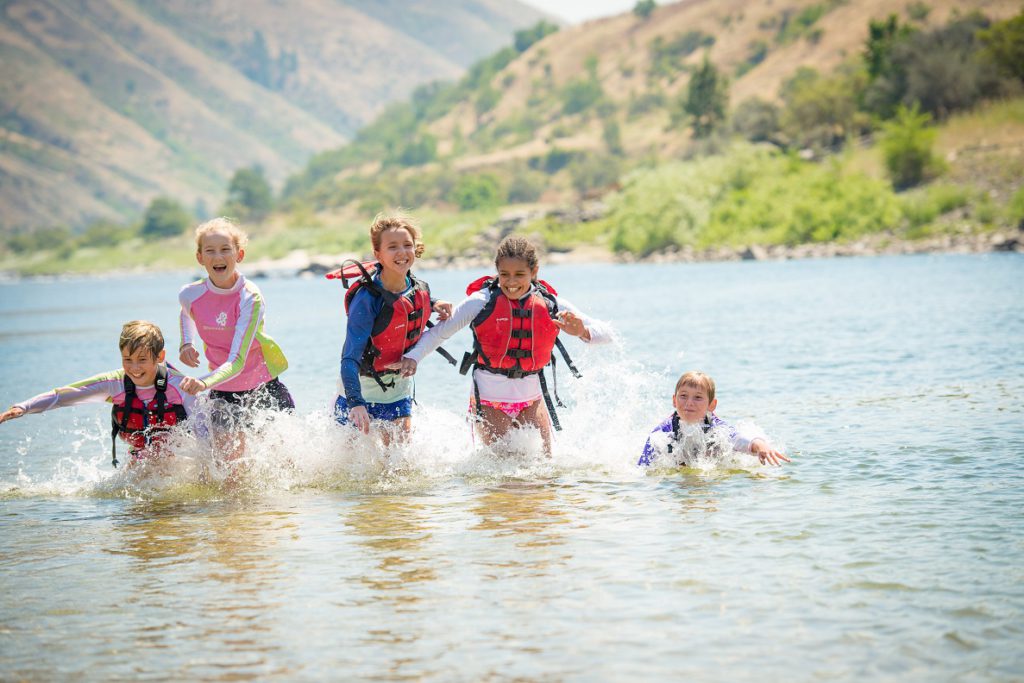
pixel 105 105
pixel 805 119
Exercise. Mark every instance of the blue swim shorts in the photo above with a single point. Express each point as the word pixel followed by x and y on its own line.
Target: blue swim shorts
pixel 377 411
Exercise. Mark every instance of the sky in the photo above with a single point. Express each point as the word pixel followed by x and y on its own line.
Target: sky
pixel 576 11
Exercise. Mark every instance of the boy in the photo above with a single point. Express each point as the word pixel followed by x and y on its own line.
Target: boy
pixel 694 401
pixel 146 394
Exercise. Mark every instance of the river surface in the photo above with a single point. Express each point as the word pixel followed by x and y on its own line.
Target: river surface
pixel 892 548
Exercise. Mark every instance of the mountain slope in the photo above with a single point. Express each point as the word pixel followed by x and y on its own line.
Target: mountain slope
pixel 105 103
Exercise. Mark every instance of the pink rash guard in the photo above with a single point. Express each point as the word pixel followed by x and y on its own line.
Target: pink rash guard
pixel 230 323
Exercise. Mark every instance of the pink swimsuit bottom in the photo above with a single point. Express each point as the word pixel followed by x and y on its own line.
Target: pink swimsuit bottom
pixel 510 408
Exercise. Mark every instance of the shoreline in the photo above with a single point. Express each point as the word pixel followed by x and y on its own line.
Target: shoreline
pixel 301 263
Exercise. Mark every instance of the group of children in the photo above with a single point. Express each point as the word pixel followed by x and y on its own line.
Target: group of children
pixel 516 320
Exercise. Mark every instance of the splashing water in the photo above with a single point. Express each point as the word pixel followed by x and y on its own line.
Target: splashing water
pixel 608 415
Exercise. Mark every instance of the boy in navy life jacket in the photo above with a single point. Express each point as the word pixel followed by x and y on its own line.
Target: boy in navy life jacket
pixel 695 402
pixel 146 394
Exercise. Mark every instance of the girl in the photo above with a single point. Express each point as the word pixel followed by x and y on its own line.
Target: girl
pixel 388 309
pixel 516 320
pixel 226 311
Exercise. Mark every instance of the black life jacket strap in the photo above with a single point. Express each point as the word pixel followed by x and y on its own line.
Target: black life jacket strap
pixel 548 402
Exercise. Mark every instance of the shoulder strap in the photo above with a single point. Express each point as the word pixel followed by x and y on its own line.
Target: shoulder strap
pixel 129 398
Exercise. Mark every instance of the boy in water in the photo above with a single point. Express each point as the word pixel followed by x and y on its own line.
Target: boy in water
pixel 146 393
pixel 694 401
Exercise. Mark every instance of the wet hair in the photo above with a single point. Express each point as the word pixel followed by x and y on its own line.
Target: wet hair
pixel 395 221
pixel 141 334
pixel 516 247
pixel 697 380
pixel 225 226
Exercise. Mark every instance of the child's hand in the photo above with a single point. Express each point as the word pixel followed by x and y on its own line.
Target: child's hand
pixel 360 419
pixel 406 367
pixel 443 310
pixel 192 385
pixel 570 323
pixel 189 356
pixel 11 413
pixel 767 454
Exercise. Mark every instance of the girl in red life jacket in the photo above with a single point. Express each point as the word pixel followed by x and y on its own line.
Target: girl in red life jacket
pixel 516 321
pixel 388 310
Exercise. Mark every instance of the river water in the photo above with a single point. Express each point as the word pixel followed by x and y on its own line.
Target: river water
pixel 892 547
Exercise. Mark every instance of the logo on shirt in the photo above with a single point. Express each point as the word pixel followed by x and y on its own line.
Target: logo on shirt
pixel 222 319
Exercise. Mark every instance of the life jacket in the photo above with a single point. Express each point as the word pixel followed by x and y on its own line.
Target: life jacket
pixel 398 326
pixel 137 422
pixel 515 338
pixel 712 446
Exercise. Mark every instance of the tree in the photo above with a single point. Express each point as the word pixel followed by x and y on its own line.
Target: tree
pixel 477 192
pixel 644 8
pixel 706 98
pixel 907 148
pixel 1003 45
pixel 526 37
pixel 249 194
pixel 165 217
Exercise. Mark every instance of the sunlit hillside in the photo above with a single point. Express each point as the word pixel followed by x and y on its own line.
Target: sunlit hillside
pixel 105 105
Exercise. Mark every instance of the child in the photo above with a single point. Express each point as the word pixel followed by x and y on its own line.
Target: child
pixel 694 401
pixel 388 310
pixel 146 393
pixel 515 319
pixel 226 311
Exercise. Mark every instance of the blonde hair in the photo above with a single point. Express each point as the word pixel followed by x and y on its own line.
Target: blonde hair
pixel 142 334
pixel 516 247
pixel 396 221
pixel 697 380
pixel 225 226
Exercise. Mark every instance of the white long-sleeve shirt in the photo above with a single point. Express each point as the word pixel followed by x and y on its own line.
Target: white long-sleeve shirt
pixel 495 387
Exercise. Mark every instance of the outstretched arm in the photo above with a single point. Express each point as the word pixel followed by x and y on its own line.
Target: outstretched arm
pixel 766 454
pixel 11 413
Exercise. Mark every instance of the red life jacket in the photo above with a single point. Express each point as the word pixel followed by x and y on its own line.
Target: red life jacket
pixel 139 423
pixel 398 326
pixel 515 338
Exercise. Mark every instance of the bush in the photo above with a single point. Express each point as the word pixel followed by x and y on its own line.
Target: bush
pixel 526 185
pixel 1003 46
pixel 477 192
pixel 1015 208
pixel 594 171
pixel 644 8
pixel 822 111
pixel 705 99
pixel 581 94
pixel 756 120
pixel 747 197
pixel 907 148
pixel 249 194
pixel 165 217
pixel 104 234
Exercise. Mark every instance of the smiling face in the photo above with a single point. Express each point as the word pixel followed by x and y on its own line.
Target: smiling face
pixel 219 255
pixel 397 251
pixel 140 365
pixel 515 276
pixel 692 403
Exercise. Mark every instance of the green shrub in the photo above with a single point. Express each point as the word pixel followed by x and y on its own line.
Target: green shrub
pixel 1015 208
pixel 581 94
pixel 477 191
pixel 165 217
pixel 907 148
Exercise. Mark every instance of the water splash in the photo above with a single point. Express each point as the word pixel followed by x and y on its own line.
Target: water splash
pixel 608 415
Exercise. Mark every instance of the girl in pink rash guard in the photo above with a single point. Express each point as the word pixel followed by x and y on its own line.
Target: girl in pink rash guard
pixel 226 311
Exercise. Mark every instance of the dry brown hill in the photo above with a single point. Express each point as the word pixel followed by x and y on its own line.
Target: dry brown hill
pixel 105 104
pixel 638 60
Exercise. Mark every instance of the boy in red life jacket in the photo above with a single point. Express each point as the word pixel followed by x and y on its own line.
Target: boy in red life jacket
pixel 516 321
pixel 388 309
pixel 146 394
pixel 695 402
